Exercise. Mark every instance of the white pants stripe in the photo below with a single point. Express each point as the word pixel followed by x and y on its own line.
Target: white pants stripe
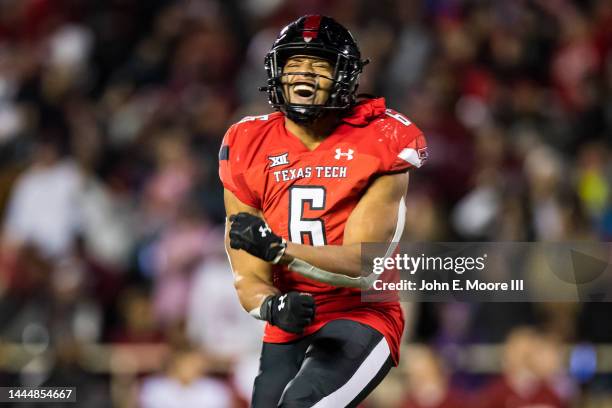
pixel 362 377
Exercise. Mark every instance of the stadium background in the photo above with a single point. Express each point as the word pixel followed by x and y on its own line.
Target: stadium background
pixel 112 271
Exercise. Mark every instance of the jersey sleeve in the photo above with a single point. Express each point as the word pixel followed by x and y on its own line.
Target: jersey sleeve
pixel 231 168
pixel 407 147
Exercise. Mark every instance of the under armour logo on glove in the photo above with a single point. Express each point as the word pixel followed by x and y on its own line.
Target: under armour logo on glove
pixel 292 311
pixel 281 301
pixel 348 154
pixel 250 233
pixel 263 230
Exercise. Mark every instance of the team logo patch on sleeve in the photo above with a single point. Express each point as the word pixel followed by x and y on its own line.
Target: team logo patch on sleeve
pixel 415 157
pixel 279 160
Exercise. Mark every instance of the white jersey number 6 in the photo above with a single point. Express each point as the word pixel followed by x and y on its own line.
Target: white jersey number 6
pixel 299 197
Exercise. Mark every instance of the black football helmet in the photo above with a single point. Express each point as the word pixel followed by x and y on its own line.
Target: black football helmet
pixel 322 37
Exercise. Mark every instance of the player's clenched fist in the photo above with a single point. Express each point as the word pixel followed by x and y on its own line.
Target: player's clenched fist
pixel 252 234
pixel 291 312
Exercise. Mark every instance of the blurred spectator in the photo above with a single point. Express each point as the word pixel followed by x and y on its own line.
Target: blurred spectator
pixel 180 248
pixel 168 188
pixel 185 384
pixel 50 186
pixel 521 384
pixel 429 383
pixel 550 365
pixel 224 329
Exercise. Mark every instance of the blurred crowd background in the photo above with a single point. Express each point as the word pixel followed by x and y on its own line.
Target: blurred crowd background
pixel 112 271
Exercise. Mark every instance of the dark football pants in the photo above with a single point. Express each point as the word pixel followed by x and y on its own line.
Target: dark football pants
pixel 338 366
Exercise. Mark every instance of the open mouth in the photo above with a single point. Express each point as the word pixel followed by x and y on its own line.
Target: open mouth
pixel 304 89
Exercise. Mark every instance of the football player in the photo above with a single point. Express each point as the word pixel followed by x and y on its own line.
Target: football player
pixel 304 187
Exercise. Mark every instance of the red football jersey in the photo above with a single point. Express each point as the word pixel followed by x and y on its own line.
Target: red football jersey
pixel 307 196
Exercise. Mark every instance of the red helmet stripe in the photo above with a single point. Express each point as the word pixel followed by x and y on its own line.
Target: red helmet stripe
pixel 311 27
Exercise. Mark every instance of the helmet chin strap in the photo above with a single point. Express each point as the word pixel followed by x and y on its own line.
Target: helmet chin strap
pixel 302 116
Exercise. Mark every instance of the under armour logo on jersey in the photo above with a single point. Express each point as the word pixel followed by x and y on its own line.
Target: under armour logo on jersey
pixel 348 154
pixel 264 230
pixel 281 304
pixel 279 160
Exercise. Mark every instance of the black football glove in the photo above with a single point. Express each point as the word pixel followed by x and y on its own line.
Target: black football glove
pixel 291 312
pixel 252 234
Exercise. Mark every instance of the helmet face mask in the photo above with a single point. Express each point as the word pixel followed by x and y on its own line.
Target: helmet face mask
pixel 331 42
